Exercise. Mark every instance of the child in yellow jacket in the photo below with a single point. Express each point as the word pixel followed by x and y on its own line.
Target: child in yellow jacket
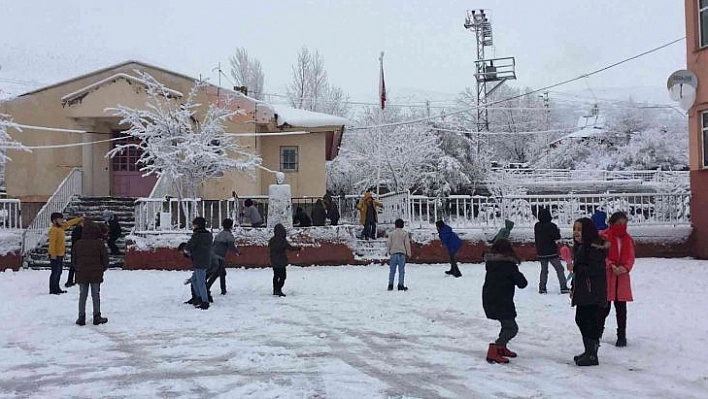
pixel 57 249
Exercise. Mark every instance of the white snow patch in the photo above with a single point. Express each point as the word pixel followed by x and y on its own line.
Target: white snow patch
pixel 340 334
pixel 302 118
pixel 112 79
pixel 10 242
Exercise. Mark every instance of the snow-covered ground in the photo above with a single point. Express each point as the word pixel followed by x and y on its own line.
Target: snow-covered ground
pixel 340 334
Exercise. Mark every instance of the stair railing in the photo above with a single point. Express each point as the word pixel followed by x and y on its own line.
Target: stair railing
pixel 148 208
pixel 38 229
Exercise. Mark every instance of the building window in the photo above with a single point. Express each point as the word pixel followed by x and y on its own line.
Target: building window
pixel 704 129
pixel 288 159
pixel 703 22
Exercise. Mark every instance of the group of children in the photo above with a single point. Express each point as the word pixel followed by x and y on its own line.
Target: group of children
pixel 600 265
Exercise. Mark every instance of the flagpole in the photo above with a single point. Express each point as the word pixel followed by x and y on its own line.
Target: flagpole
pixel 382 97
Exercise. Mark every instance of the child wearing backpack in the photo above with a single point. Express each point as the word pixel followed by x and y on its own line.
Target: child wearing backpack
pixel 503 275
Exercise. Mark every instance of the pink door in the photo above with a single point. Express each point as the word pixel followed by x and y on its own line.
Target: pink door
pixel 128 181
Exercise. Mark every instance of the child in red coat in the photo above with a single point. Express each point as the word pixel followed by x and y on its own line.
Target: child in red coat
pixel 620 260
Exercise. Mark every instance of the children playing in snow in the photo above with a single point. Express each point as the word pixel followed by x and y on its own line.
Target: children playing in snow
pixel 546 234
pixel 589 287
pixel 452 242
pixel 277 247
pixel 57 249
pixel 399 247
pixel 199 249
pixel 503 275
pixel 620 260
pixel 91 262
pixel 224 242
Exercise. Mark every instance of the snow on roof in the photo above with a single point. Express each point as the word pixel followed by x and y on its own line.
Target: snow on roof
pixel 302 118
pixel 81 93
pixel 588 126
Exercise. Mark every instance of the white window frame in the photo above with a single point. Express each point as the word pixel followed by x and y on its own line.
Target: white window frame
pixel 701 44
pixel 297 158
pixel 704 140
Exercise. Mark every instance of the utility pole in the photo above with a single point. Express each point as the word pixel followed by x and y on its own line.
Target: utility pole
pixel 547 112
pixel 494 70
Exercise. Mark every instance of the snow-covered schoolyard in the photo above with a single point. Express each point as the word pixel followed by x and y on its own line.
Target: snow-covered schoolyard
pixel 340 334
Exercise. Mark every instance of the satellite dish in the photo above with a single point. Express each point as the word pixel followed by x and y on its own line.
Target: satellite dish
pixel 682 86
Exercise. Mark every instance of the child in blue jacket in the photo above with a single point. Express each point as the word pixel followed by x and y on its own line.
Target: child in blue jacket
pixel 452 242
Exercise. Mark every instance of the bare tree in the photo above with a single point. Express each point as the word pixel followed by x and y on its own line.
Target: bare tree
pixel 310 88
pixel 247 72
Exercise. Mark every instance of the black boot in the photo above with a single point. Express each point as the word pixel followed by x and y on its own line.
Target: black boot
pixel 401 287
pixel 390 287
pixel 449 272
pixel 97 319
pixel 590 357
pixel 203 306
pixel 81 321
pixel 621 339
pixel 585 345
pixel 211 300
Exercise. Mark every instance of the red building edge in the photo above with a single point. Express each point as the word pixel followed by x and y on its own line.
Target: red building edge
pixel 697 62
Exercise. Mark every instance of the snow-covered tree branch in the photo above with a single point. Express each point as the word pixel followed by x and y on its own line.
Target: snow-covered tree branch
pixel 175 143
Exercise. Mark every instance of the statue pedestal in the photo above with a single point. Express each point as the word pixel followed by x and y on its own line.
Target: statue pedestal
pixel 280 205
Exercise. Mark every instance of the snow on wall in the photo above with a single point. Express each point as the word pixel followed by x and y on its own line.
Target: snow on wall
pixel 10 241
pixel 647 234
pixel 309 237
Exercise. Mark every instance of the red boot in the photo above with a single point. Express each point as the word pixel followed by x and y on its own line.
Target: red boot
pixel 494 354
pixel 506 352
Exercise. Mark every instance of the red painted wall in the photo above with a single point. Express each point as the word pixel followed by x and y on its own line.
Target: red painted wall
pixel 340 254
pixel 10 261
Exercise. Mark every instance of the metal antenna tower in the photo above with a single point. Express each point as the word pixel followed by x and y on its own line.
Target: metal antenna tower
pixel 494 70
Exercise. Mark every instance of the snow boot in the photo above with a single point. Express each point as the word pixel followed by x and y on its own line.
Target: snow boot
pixel 494 355
pixel 97 319
pixel 565 290
pixel 542 291
pixel 81 321
pixel 590 356
pixel 211 300
pixel 390 287
pixel 621 339
pixel 280 294
pixel 449 272
pixel 203 306
pixel 585 344
pixel 402 287
pixel 191 301
pixel 506 352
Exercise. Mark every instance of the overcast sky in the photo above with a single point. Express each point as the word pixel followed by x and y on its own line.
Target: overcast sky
pixel 427 49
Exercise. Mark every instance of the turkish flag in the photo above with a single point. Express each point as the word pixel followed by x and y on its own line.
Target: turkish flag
pixel 382 84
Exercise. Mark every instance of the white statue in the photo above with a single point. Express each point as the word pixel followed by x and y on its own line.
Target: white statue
pixel 280 203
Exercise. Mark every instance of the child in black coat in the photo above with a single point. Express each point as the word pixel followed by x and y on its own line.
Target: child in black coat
pixel 277 247
pixel 502 277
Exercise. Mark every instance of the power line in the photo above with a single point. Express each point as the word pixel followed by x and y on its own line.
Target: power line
pixel 583 76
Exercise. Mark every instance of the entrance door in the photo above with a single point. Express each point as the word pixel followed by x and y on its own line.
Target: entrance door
pixel 128 181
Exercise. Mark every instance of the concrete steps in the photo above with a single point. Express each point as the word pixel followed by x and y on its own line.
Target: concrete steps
pixel 92 208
